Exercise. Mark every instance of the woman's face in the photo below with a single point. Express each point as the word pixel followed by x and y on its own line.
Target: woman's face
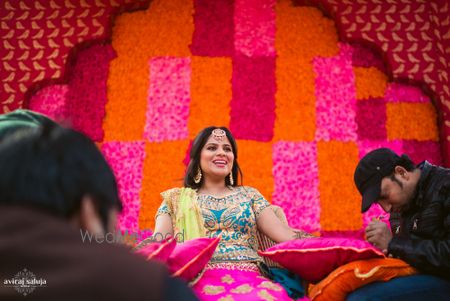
pixel 216 157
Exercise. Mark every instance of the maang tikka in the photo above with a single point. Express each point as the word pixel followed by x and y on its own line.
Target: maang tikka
pixel 218 134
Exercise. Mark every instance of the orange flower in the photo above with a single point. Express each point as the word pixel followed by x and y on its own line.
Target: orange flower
pixel 163 169
pixel 210 93
pixel 370 82
pixel 127 100
pixel 303 32
pixel 339 200
pixel 255 160
pixel 295 100
pixel 164 29
pixel 411 121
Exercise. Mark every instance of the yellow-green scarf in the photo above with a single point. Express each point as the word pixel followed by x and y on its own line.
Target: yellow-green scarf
pixel 188 216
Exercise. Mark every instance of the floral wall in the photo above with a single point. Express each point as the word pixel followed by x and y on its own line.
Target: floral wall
pixel 306 87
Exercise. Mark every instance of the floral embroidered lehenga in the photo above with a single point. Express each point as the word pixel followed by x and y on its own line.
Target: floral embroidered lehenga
pixel 232 273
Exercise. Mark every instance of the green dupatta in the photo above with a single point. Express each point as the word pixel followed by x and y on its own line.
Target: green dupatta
pixel 188 216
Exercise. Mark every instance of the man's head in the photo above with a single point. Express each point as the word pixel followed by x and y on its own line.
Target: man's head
pixel 386 178
pixel 21 119
pixel 61 171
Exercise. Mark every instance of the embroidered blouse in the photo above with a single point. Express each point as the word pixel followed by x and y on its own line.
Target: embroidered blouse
pixel 233 217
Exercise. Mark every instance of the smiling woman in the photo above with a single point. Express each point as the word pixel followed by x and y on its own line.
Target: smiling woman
pixel 213 204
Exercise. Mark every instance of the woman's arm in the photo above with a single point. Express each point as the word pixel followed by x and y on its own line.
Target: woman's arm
pixel 163 226
pixel 271 226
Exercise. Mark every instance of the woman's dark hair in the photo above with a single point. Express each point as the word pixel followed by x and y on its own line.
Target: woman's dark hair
pixel 52 168
pixel 194 156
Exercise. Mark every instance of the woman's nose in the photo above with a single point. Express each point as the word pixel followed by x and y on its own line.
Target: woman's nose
pixel 220 152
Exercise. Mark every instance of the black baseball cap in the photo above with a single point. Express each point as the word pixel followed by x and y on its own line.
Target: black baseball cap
pixel 21 119
pixel 370 171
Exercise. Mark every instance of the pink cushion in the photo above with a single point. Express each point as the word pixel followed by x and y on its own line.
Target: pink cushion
pixel 314 258
pixel 189 258
pixel 158 250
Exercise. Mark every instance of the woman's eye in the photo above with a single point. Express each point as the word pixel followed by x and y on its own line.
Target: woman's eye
pixel 211 148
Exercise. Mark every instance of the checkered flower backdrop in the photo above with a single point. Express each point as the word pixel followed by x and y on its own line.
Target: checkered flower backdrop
pixel 303 105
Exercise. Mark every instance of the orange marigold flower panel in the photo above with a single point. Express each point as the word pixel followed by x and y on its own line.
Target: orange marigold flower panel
pixel 295 100
pixel 415 121
pixel 210 95
pixel 339 199
pixel 255 161
pixel 163 169
pixel 370 82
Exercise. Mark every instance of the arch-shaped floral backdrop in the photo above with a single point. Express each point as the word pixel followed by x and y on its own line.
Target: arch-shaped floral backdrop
pixel 303 106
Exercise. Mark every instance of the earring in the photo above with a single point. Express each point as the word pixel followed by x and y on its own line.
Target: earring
pixel 198 176
pixel 231 179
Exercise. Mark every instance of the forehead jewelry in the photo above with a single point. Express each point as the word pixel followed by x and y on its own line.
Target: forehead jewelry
pixel 218 134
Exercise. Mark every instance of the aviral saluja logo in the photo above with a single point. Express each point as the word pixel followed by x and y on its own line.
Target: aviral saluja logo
pixel 25 282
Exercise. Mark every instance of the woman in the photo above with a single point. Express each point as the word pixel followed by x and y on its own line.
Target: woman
pixel 212 204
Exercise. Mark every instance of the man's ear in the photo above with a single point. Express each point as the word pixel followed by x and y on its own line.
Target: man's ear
pixel 401 171
pixel 89 217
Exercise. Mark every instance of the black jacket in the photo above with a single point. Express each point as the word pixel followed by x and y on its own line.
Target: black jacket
pixel 421 232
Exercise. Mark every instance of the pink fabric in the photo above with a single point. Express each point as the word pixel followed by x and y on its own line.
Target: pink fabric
pixel 254 27
pixel 51 101
pixel 336 96
pixel 297 191
pixel 314 258
pixel 189 258
pixel 126 160
pixel 220 283
pixel 158 250
pixel 168 99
